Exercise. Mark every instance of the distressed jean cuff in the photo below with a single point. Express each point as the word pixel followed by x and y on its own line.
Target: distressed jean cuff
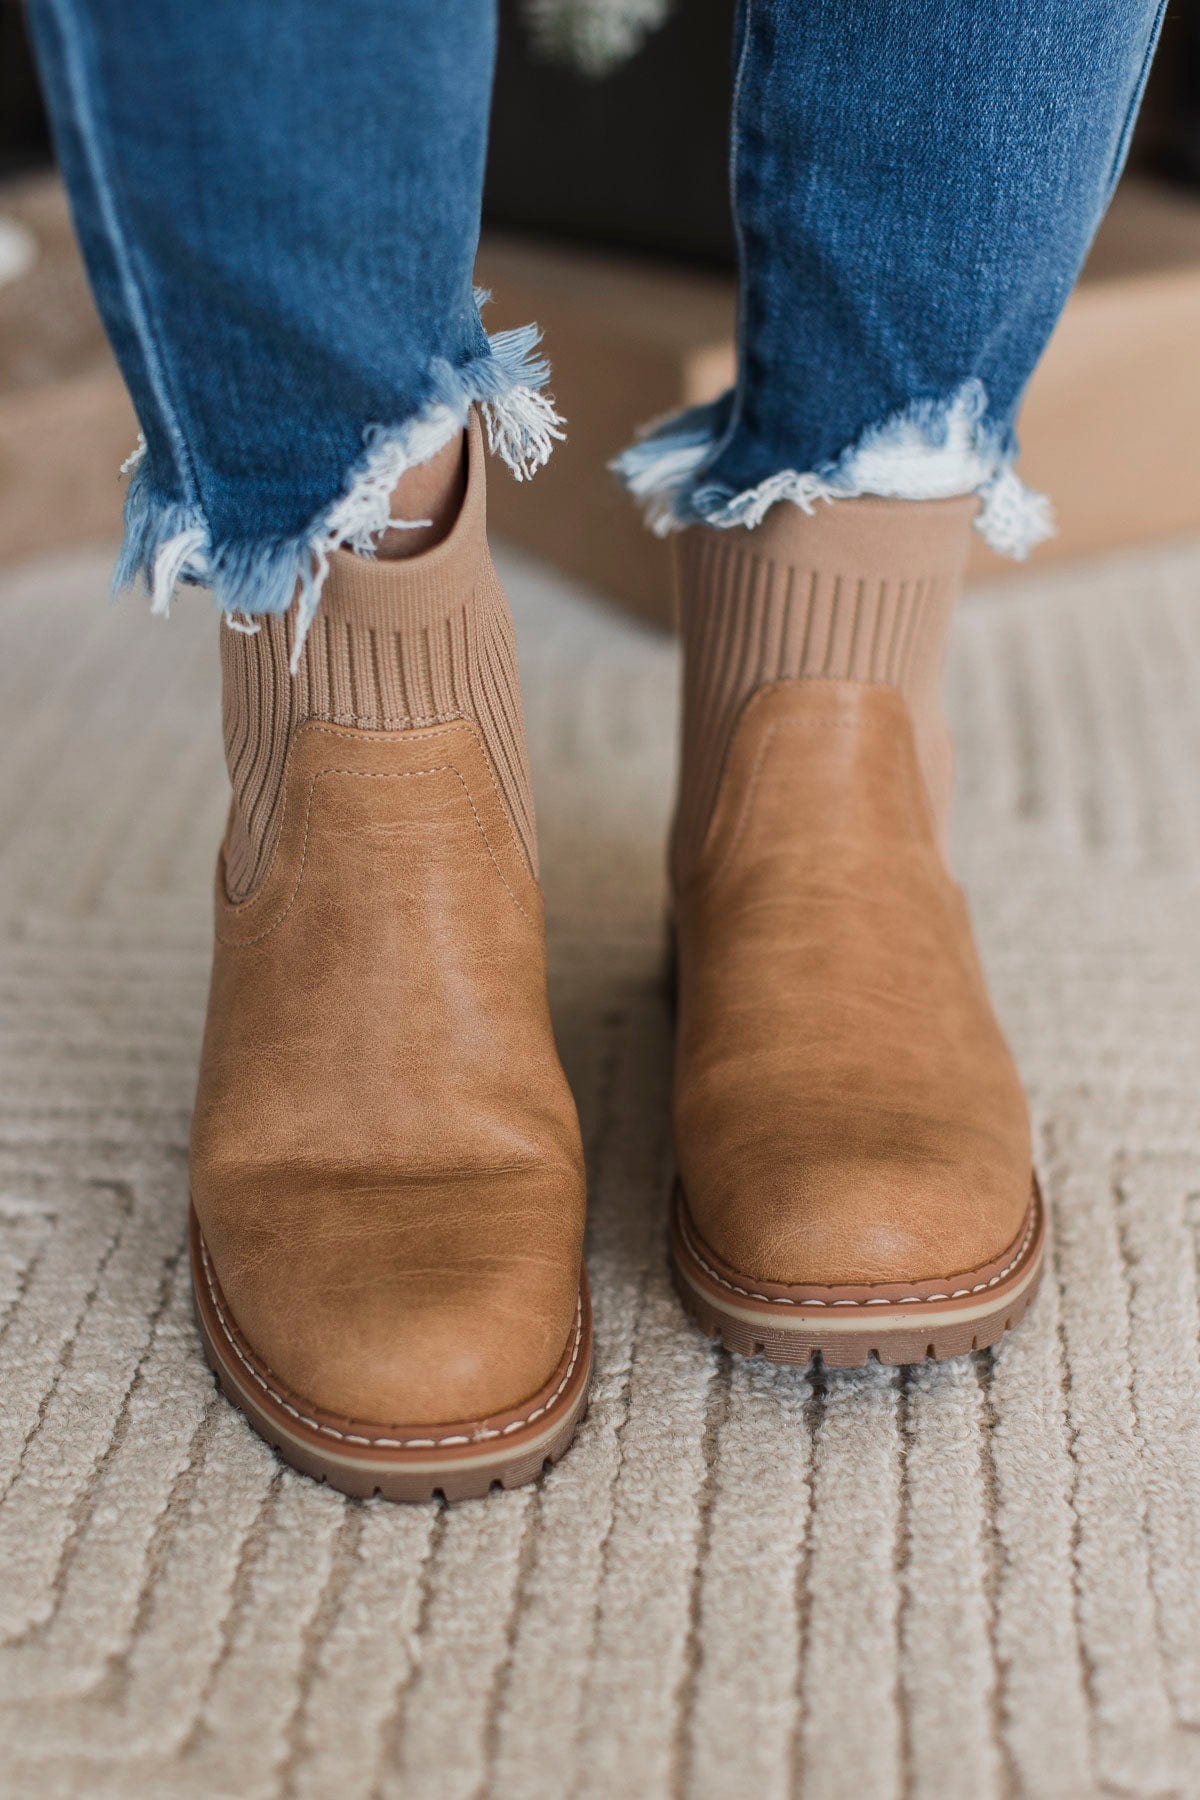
pixel 929 450
pixel 167 542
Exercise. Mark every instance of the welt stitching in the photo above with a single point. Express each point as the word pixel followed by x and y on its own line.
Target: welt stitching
pixel 385 1443
pixel 318 727
pixel 373 775
pixel 980 1287
pixel 372 724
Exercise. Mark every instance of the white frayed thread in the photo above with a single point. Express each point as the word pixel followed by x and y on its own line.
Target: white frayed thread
pixel 1014 519
pixel 183 554
pixel 522 428
pixel 752 507
pixel 364 511
pixel 134 458
pixel 657 477
pixel 930 451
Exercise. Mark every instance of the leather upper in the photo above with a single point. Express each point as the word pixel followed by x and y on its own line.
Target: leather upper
pixel 386 1162
pixel 846 1111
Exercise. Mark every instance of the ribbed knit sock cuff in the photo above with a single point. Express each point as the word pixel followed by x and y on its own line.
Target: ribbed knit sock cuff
pixel 861 590
pixel 396 645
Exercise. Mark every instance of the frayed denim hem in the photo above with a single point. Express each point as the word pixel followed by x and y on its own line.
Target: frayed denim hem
pixel 931 450
pixel 167 542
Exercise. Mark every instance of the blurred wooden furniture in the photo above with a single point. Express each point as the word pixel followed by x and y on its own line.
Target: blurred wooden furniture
pixel 66 423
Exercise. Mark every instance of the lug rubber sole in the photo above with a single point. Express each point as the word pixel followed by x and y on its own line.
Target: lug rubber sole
pixel 462 1461
pixel 849 1327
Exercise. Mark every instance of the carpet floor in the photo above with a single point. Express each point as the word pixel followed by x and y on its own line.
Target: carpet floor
pixel 979 1578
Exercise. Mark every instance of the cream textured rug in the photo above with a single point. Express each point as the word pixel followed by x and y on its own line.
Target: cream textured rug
pixel 979 1579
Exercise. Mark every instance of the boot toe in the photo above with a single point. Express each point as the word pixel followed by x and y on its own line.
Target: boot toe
pixel 412 1326
pixel 861 1220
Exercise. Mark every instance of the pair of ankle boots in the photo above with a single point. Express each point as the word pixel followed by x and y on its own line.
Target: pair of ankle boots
pixel 387 1179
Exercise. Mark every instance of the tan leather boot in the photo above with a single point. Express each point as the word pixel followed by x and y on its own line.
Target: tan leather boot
pixel 852 1140
pixel 387 1179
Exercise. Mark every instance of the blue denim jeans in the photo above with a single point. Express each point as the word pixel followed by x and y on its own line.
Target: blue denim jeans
pixel 280 213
